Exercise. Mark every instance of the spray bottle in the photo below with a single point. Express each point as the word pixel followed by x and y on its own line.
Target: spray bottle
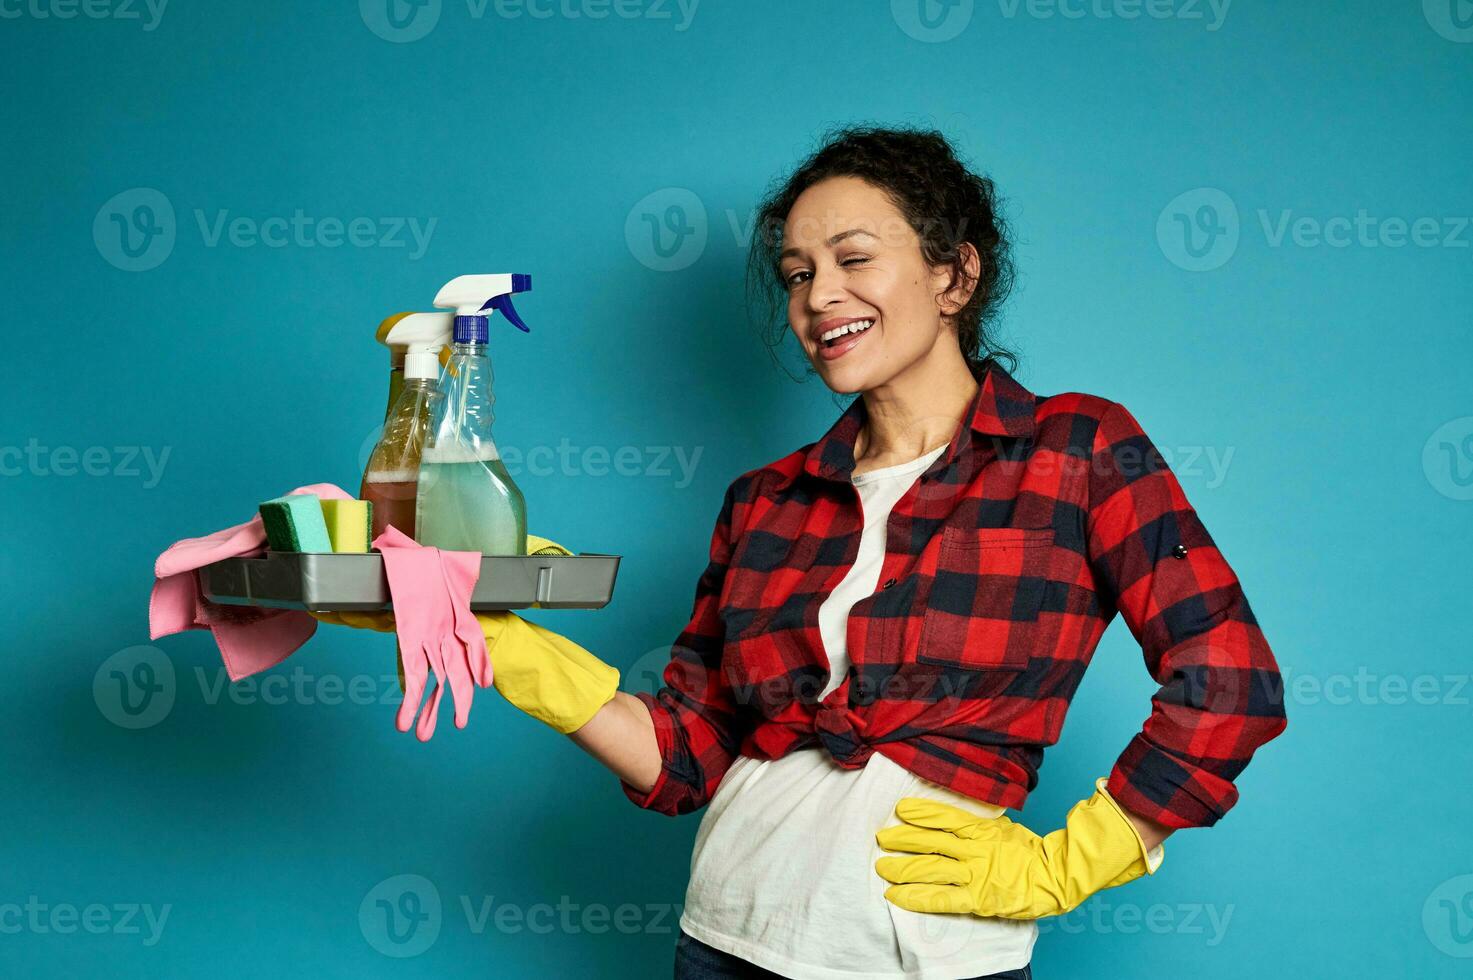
pixel 467 500
pixel 391 480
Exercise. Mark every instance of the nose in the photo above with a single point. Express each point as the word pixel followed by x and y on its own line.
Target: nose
pixel 826 288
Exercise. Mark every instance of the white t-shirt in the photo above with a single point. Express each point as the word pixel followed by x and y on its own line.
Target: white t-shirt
pixel 783 871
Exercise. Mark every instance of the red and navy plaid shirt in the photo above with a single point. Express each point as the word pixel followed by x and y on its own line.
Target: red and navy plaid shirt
pixel 1003 565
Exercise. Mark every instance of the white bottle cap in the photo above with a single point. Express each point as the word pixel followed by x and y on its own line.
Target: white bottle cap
pixel 422 362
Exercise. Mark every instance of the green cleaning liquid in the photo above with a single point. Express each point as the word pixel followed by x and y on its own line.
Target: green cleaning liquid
pixel 470 505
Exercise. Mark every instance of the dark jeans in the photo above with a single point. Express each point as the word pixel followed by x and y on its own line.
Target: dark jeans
pixel 694 960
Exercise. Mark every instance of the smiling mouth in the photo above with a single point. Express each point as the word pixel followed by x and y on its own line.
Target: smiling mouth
pixel 840 334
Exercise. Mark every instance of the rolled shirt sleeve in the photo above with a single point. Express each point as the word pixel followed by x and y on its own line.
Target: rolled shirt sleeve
pixel 1220 694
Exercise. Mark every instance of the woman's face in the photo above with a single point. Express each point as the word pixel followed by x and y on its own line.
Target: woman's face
pixel 850 258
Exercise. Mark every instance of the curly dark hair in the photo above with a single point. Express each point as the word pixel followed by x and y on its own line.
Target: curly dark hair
pixel 941 199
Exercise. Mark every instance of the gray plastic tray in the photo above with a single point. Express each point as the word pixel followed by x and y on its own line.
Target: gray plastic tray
pixel 322 582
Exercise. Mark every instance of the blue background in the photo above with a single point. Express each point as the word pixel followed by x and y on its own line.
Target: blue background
pixel 1333 381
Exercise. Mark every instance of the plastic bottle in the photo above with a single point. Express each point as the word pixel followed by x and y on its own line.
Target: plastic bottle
pixel 467 500
pixel 396 361
pixel 392 478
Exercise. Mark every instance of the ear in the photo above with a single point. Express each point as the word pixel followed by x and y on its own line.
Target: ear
pixel 957 280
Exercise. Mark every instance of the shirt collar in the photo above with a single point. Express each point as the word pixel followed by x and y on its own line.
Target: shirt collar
pixel 1001 407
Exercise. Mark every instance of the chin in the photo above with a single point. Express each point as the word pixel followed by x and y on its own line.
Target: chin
pixel 846 380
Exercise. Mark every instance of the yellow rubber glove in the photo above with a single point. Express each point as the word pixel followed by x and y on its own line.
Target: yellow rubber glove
pixel 543 673
pixel 992 866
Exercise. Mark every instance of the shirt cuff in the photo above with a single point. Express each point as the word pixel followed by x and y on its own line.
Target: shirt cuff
pixel 1149 781
pixel 667 791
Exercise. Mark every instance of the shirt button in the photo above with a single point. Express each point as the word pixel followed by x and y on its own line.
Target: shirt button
pixel 889 582
pixel 1180 551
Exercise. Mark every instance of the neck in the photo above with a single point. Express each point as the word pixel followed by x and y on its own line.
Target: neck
pixel 918 409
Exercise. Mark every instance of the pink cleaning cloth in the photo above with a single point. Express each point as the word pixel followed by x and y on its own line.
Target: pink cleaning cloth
pixel 431 593
pixel 251 638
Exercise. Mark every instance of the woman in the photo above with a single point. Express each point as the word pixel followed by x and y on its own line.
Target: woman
pixel 895 618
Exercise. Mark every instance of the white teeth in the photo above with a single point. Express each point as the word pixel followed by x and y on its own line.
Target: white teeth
pixel 854 327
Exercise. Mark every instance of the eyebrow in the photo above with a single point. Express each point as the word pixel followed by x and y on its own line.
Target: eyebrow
pixel 834 240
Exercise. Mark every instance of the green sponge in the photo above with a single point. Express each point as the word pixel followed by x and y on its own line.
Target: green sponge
pixel 295 523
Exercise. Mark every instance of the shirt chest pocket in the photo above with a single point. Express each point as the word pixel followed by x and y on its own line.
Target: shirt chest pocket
pixel 985 599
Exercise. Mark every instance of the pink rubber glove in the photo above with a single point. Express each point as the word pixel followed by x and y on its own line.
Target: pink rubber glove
pixel 462 569
pixel 428 588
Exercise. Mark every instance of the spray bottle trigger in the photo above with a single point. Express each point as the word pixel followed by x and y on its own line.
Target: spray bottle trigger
pixel 503 304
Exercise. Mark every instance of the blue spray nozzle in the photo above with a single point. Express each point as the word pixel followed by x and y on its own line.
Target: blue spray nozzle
pixel 467 295
pixel 502 304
